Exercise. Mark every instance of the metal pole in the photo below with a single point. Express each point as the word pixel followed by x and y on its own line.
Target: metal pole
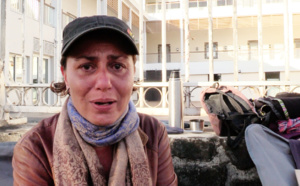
pixel 260 41
pixel 187 41
pixel 210 40
pixel 141 50
pixel 235 40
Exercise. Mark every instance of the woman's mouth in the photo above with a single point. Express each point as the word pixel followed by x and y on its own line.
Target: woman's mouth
pixel 104 103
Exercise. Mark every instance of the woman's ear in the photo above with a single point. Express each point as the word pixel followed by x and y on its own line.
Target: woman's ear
pixel 63 72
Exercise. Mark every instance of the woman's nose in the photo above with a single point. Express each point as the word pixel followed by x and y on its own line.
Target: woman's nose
pixel 103 80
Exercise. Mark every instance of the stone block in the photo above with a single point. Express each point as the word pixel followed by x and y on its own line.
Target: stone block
pixel 192 148
pixel 205 159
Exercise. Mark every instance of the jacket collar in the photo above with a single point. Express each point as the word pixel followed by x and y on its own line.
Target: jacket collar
pixel 143 136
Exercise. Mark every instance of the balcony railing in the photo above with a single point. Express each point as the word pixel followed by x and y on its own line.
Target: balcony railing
pixel 150 98
pixel 224 55
pixel 155 7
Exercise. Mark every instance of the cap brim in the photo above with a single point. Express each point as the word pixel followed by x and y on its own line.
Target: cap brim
pixel 70 42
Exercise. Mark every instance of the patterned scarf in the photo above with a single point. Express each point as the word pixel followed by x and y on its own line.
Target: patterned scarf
pixel 104 135
pixel 75 161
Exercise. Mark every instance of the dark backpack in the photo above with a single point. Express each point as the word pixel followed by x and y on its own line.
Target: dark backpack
pixel 229 112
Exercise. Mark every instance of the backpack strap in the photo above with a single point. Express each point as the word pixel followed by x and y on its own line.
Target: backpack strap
pixel 233 143
pixel 234 103
pixel 284 109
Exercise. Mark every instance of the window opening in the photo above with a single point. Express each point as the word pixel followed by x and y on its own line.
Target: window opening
pixel 168 46
pixel 253 50
pixel 272 76
pixel 16 68
pixel 215 50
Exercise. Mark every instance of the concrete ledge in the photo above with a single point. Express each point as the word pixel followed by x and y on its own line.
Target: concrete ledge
pixel 17 121
pixel 205 159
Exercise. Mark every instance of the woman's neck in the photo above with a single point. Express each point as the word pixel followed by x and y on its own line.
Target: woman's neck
pixel 105 155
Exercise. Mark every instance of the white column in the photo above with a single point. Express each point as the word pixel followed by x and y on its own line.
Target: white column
pixel 1 63
pixel 2 52
pixel 2 91
pixel 163 50
pixel 260 41
pixel 40 66
pixel 5 52
pixel 141 50
pixel 23 45
pixel 235 40
pixel 78 8
pixel 288 37
pixel 104 7
pixel 181 33
pixel 120 9
pixel 145 42
pixel 210 41
pixel 58 39
pixel 186 40
pixel 98 7
pixel 129 23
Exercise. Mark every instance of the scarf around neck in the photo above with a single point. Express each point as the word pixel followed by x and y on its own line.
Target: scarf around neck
pixel 104 135
pixel 75 161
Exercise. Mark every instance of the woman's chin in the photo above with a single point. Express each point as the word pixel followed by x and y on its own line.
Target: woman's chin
pixel 102 121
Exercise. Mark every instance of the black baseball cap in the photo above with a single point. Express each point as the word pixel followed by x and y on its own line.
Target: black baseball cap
pixel 85 25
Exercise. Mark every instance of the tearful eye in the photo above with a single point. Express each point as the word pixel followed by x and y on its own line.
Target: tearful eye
pixel 86 67
pixel 117 66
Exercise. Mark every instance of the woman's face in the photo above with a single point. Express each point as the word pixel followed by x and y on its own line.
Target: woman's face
pixel 100 77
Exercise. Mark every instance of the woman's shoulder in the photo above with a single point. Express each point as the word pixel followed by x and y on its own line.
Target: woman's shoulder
pixel 43 131
pixel 150 122
pixel 152 127
pixel 34 153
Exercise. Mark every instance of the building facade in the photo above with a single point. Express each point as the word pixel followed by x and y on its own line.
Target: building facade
pixel 207 40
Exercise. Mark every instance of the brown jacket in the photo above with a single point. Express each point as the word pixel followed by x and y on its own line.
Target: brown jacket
pixel 33 156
